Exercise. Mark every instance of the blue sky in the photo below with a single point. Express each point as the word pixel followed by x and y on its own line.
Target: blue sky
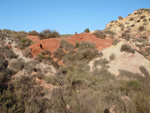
pixel 64 16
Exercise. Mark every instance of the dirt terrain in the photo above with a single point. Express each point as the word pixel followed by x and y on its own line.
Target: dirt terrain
pixel 53 43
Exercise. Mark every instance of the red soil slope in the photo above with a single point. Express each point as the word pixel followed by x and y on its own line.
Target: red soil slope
pixel 53 43
pixel 33 38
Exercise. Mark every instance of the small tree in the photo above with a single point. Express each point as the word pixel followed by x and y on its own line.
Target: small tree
pixel 87 30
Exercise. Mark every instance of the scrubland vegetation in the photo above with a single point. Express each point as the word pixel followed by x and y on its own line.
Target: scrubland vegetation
pixel 62 81
pixel 78 90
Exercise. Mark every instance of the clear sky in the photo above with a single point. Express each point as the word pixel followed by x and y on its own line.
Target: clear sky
pixel 64 16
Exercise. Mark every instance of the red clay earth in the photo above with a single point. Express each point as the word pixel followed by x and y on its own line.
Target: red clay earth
pixel 53 43
pixel 33 38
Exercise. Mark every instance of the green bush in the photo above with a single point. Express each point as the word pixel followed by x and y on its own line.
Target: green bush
pixel 87 30
pixel 26 42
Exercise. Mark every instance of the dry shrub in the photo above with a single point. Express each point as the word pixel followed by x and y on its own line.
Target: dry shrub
pixel 120 18
pixel 67 46
pixel 144 70
pixel 27 53
pixel 17 65
pixel 99 34
pixel 141 28
pixel 59 53
pixel 112 57
pixel 127 48
pixel 126 36
pixel 35 33
pixel 8 52
pixel 45 34
pixel 115 41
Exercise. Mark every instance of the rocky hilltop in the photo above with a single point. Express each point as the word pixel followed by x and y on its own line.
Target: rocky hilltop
pixel 139 20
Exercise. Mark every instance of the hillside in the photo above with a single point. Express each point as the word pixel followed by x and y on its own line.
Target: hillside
pixel 139 20
pixel 104 71
pixel 53 43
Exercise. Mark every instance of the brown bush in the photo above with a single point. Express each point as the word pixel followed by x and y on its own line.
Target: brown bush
pixel 120 18
pixel 49 34
pixel 142 17
pixel 145 20
pixel 126 36
pixel 3 63
pixel 8 52
pixel 59 53
pixel 17 65
pixel 127 48
pixel 115 42
pixel 67 46
pixel 27 53
pixel 144 70
pixel 132 25
pixel 131 18
pixel 112 57
pixel 35 33
pixel 99 34
pixel 141 28
pixel 138 20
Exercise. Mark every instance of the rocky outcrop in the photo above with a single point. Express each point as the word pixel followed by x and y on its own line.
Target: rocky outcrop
pixel 139 20
pixel 121 60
